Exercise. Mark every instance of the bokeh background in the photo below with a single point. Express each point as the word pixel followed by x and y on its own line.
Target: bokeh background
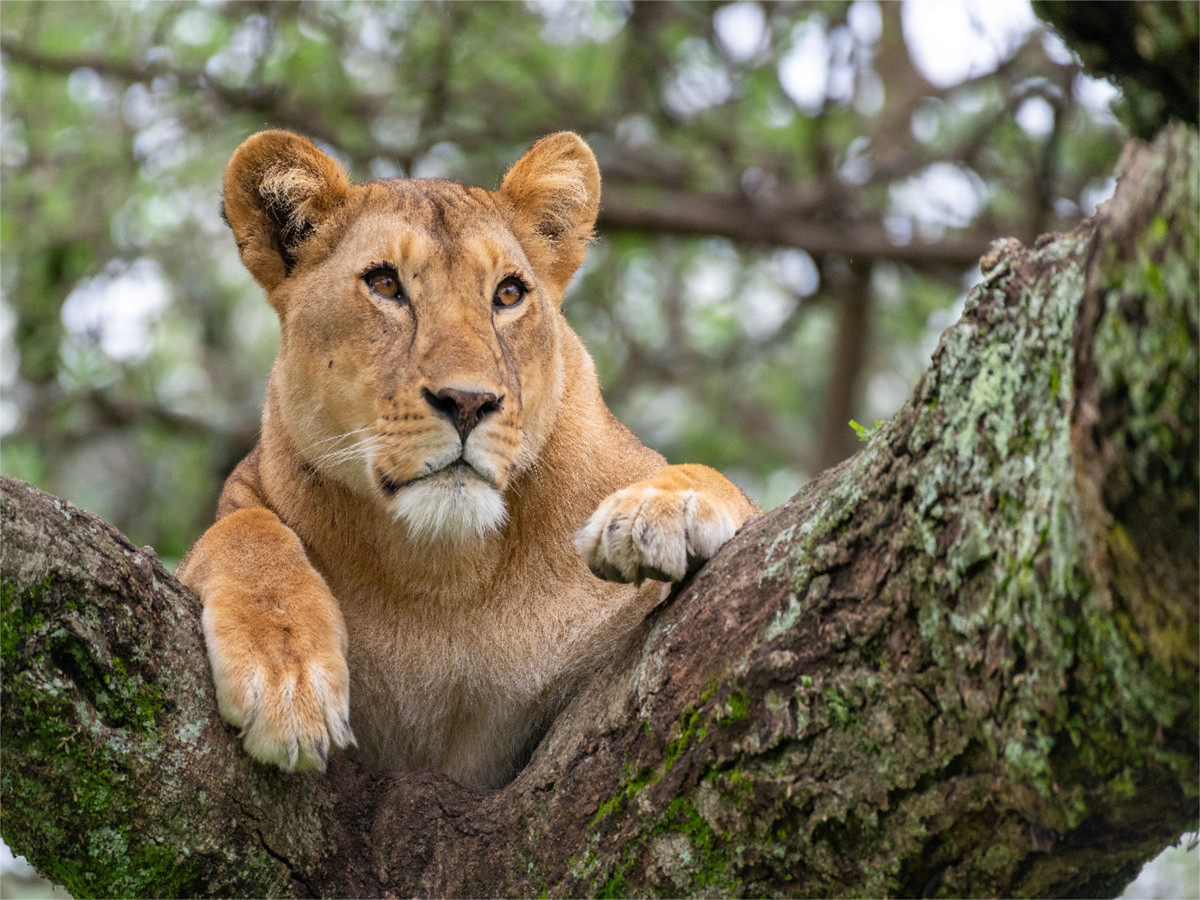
pixel 795 200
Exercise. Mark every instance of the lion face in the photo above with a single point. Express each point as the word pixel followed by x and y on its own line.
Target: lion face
pixel 422 357
pixel 419 360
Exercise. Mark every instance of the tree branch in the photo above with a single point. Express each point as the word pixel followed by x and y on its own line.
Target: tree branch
pixel 962 662
pixel 739 219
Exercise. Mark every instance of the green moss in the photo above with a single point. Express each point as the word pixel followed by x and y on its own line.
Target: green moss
pixel 839 708
pixel 703 865
pixel 709 865
pixel 734 787
pixel 632 786
pixel 739 706
pixel 691 731
pixel 59 769
pixel 615 886
pixel 19 615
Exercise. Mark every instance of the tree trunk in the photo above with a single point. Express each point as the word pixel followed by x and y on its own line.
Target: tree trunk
pixel 963 662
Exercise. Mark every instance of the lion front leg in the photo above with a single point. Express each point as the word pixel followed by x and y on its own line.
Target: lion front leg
pixel 664 527
pixel 276 640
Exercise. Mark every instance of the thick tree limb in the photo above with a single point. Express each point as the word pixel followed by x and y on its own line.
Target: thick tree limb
pixel 963 662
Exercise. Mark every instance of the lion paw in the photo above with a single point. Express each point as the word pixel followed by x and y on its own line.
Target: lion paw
pixel 647 532
pixel 288 692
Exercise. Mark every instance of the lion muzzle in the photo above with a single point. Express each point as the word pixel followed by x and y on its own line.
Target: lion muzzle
pixel 464 409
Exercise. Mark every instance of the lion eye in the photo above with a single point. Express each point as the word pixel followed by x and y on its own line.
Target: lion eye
pixel 510 292
pixel 385 282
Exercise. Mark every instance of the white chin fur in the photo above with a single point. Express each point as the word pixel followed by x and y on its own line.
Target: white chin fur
pixel 450 506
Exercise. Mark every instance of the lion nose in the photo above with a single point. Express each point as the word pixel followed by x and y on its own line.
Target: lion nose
pixel 465 409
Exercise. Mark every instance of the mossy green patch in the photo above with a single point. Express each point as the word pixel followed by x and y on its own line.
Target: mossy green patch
pixel 839 708
pixel 739 706
pixel 80 730
pixel 683 847
pixel 20 614
pixel 46 709
pixel 691 730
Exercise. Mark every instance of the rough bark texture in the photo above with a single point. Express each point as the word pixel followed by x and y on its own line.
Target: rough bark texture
pixel 964 662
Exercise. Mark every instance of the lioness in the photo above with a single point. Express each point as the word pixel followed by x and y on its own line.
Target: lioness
pixel 407 533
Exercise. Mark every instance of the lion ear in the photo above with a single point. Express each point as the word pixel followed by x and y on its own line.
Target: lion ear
pixel 555 193
pixel 278 188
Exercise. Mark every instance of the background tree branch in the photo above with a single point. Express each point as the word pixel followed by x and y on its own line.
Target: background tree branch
pixel 962 662
pixel 781 225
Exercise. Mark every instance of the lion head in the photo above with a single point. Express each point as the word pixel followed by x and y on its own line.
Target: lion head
pixel 421 320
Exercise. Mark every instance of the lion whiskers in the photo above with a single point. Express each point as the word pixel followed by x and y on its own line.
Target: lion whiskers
pixel 452 504
pixel 360 449
pixel 337 437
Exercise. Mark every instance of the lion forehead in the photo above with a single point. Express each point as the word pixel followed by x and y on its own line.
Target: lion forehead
pixel 430 221
pixel 443 208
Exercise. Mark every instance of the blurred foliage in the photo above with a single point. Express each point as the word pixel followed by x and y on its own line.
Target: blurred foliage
pixel 793 205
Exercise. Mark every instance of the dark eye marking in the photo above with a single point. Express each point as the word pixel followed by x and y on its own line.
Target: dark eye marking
pixel 509 293
pixel 384 281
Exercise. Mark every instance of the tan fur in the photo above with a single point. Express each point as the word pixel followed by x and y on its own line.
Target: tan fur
pixel 465 613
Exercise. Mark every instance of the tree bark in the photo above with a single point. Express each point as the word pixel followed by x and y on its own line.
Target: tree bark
pixel 963 662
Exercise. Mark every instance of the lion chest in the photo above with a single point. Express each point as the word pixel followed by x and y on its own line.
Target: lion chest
pixel 464 683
